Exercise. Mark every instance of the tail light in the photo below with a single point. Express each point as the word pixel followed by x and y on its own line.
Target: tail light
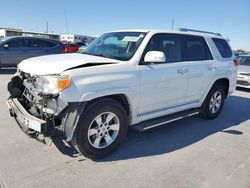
pixel 236 62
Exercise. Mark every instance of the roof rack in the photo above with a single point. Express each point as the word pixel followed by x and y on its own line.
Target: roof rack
pixel 198 31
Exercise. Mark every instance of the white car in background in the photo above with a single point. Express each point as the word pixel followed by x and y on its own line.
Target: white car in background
pixel 138 78
pixel 243 79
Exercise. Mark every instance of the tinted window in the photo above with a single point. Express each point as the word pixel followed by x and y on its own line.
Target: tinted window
pixel 40 43
pixel 196 49
pixel 35 43
pixel 16 43
pixel 170 44
pixel 50 44
pixel 244 60
pixel 223 48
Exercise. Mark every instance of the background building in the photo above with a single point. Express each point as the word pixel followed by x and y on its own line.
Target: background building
pixel 76 38
pixel 9 32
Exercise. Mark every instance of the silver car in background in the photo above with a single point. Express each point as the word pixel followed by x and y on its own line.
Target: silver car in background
pixel 243 79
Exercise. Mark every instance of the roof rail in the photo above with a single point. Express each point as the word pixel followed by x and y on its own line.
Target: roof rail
pixel 198 31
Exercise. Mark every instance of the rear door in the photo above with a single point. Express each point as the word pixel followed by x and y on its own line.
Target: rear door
pixel 51 47
pixel 14 52
pixel 35 47
pixel 202 67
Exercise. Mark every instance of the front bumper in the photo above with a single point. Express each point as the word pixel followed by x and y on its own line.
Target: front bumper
pixel 25 120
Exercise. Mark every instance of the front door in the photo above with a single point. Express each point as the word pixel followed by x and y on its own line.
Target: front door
pixel 13 51
pixel 163 85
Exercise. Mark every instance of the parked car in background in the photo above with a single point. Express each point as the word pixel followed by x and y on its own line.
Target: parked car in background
pixel 243 79
pixel 81 43
pixel 15 49
pixel 71 47
pixel 83 47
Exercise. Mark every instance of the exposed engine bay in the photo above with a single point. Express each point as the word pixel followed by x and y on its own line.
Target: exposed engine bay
pixel 43 106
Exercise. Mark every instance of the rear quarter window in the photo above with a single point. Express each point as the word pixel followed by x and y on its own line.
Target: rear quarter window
pixel 223 47
pixel 50 44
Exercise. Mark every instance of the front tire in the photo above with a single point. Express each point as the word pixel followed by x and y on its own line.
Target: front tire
pixel 214 102
pixel 101 129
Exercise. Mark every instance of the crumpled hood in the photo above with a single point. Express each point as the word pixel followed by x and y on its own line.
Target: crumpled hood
pixel 56 64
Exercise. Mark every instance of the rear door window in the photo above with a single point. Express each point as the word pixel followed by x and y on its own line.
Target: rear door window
pixel 196 49
pixel 35 43
pixel 223 47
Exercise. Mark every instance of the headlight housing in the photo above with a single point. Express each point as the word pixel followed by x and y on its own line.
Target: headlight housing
pixel 53 84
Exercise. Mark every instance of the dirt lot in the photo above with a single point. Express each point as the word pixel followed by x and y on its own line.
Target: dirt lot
pixel 189 153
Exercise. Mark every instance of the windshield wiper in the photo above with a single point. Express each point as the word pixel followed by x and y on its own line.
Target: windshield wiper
pixel 100 55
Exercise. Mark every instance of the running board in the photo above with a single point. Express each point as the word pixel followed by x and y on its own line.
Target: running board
pixel 145 125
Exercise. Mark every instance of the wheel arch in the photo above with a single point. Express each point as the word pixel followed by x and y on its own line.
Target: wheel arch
pixel 224 82
pixel 221 80
pixel 72 114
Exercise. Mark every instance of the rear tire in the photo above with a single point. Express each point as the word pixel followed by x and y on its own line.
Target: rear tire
pixel 214 102
pixel 101 129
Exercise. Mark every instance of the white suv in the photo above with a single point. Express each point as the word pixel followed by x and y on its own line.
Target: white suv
pixel 139 78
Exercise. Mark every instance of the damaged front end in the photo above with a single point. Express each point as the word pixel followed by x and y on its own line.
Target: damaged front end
pixel 36 111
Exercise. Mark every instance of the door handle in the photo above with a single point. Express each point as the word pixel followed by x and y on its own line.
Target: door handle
pixel 185 70
pixel 212 67
pixel 182 71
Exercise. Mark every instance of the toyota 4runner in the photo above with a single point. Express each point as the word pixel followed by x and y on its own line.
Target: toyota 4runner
pixel 139 78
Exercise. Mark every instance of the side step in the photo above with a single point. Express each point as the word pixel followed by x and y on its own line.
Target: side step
pixel 145 125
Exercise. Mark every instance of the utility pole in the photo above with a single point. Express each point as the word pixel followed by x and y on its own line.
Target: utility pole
pixel 172 24
pixel 47 27
pixel 66 22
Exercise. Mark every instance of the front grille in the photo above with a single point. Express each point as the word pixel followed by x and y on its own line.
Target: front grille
pixel 243 82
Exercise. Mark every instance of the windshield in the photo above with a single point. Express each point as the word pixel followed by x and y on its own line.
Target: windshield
pixel 117 45
pixel 244 60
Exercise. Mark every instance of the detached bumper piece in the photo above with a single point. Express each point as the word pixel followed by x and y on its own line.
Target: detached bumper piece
pixel 25 120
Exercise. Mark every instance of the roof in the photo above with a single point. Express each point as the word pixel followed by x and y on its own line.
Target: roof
pixel 193 32
pixel 34 37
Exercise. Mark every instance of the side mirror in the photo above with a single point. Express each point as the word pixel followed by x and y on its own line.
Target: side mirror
pixel 6 46
pixel 155 57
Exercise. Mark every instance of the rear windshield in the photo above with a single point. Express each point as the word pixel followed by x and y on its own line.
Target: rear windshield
pixel 223 47
pixel 244 60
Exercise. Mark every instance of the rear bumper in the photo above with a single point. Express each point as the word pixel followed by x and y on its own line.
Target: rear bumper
pixel 25 120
